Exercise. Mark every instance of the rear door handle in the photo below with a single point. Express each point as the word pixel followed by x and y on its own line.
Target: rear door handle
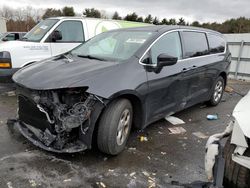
pixel 193 67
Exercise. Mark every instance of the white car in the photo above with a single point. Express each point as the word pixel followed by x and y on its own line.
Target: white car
pixel 232 166
pixel 51 37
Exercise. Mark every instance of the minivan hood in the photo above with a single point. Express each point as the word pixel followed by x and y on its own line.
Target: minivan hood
pixel 60 72
pixel 242 114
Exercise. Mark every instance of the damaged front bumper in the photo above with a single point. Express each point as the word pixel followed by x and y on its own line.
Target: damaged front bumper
pixel 30 134
pixel 61 121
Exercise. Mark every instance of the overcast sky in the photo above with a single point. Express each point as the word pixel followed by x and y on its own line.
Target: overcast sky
pixel 201 10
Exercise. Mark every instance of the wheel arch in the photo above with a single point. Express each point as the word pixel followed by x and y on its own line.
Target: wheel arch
pixel 137 104
pixel 224 76
pixel 138 111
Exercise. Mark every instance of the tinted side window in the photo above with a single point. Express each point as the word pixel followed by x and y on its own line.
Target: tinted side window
pixel 195 44
pixel 216 44
pixel 10 36
pixel 169 44
pixel 72 31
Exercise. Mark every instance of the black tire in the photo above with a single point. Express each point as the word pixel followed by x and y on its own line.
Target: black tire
pixel 235 175
pixel 215 99
pixel 108 135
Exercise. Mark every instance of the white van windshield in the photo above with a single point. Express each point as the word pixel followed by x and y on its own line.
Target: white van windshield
pixel 38 32
pixel 117 45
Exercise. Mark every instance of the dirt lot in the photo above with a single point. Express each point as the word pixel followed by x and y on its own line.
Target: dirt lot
pixel 162 160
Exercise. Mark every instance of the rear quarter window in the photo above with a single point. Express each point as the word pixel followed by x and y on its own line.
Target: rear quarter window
pixel 195 44
pixel 216 44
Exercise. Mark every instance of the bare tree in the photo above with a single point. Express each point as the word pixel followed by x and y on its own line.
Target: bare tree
pixel 6 12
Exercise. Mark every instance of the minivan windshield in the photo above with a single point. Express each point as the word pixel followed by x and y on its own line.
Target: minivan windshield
pixel 113 46
pixel 37 33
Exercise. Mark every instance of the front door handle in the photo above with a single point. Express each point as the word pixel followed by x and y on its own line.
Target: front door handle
pixel 189 68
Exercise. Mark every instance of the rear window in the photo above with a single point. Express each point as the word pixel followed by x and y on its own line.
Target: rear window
pixel 195 44
pixel 216 44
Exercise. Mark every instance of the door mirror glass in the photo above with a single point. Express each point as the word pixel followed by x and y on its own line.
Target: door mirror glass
pixel 166 60
pixel 56 35
pixel 5 39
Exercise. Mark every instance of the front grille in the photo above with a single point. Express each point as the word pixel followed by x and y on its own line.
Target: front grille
pixel 30 114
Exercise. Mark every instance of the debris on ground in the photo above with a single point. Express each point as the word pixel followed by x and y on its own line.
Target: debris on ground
pixel 163 153
pixel 174 120
pixel 9 184
pixel 132 149
pixel 229 89
pixel 101 184
pixel 143 138
pixel 11 93
pixel 151 182
pixel 132 174
pixel 105 158
pixel 67 180
pixel 145 173
pixel 32 183
pixel 200 135
pixel 212 116
pixel 177 130
pixel 172 164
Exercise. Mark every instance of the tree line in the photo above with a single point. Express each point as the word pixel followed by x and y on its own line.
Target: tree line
pixel 23 19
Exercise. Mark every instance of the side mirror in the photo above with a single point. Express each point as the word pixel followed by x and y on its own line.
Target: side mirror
pixel 166 60
pixel 5 39
pixel 56 35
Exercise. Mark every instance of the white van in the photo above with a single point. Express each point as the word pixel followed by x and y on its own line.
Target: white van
pixel 52 37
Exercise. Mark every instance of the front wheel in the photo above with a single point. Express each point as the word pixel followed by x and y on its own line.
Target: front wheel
pixel 217 91
pixel 114 127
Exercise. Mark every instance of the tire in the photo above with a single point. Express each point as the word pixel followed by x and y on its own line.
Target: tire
pixel 235 175
pixel 110 138
pixel 217 91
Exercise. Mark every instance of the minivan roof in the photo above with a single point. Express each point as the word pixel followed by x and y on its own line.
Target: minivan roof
pixel 165 28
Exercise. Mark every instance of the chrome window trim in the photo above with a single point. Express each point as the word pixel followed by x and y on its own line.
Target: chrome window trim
pixel 180 60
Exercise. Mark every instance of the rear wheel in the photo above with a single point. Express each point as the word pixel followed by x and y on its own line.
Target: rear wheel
pixel 235 175
pixel 217 91
pixel 114 127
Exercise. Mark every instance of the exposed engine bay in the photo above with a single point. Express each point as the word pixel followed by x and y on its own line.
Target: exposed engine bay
pixel 57 119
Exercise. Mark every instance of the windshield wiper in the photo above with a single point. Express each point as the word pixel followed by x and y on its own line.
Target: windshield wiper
pixel 91 57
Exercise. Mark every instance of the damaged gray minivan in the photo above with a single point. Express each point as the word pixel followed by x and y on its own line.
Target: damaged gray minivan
pixel 117 80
